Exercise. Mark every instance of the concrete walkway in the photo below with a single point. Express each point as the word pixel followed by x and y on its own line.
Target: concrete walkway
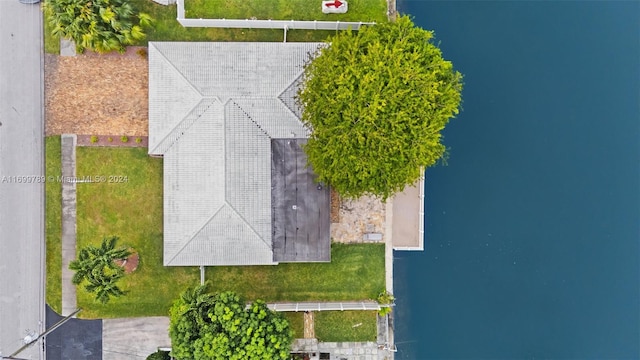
pixel 69 303
pixel 67 47
pixel 309 328
pixel 407 216
pixel 341 350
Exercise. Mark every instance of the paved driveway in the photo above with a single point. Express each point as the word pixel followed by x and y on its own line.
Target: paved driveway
pixel 76 339
pixel 21 160
pixel 134 338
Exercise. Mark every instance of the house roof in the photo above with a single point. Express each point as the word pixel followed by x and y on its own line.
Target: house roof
pixel 214 110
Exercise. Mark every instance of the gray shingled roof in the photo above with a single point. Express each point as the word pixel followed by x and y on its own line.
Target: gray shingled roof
pixel 213 110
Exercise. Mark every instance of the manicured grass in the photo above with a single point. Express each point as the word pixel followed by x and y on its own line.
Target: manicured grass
pixel 333 326
pixel 296 321
pixel 53 220
pixel 356 272
pixel 132 211
pixel 51 43
pixel 167 28
pixel 359 10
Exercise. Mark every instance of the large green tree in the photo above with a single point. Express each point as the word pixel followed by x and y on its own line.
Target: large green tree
pixel 98 25
pixel 219 326
pixel 377 101
pixel 96 267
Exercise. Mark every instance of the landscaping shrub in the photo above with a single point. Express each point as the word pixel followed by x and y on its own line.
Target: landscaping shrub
pixel 159 355
pixel 385 298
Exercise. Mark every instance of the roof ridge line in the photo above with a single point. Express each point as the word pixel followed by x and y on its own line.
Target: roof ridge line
pixel 280 96
pixel 300 74
pixel 269 246
pixel 178 71
pixel 195 233
pixel 170 64
pixel 294 116
pixel 198 116
pixel 250 117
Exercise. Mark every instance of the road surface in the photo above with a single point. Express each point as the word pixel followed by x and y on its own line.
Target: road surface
pixel 22 244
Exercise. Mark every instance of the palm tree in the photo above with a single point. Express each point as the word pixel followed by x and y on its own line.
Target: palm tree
pixel 97 266
pixel 103 284
pixel 99 25
pixel 198 302
pixel 107 252
pixel 82 266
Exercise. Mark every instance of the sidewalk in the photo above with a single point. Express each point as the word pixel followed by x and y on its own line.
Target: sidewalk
pixel 69 303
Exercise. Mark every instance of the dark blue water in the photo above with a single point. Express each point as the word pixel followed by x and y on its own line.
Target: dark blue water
pixel 532 230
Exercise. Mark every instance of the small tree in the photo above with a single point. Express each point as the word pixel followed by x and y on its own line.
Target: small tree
pixel 219 326
pixel 386 300
pixel 104 285
pixel 96 266
pixel 159 355
pixel 376 101
pixel 99 25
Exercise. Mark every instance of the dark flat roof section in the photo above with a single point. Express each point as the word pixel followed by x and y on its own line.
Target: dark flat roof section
pixel 300 206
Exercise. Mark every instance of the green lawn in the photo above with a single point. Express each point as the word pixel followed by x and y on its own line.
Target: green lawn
pixel 296 321
pixel 359 10
pixel 356 272
pixel 167 28
pixel 53 218
pixel 132 211
pixel 51 43
pixel 340 326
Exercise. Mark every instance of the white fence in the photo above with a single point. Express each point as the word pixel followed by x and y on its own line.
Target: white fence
pixel 273 24
pixel 325 306
pixel 267 24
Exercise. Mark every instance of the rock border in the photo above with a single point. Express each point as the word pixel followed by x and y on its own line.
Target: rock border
pixel 103 141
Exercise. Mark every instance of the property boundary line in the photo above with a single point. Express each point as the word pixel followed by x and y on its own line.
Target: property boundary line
pixel 267 24
pixel 324 306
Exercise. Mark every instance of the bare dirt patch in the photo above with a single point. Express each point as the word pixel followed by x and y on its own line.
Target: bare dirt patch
pixel 97 94
pixel 130 264
pixel 335 207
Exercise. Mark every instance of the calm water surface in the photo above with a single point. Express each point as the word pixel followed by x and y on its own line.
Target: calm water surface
pixel 532 236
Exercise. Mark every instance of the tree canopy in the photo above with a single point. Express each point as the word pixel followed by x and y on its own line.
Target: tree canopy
pixel 98 25
pixel 219 326
pixel 377 101
pixel 95 266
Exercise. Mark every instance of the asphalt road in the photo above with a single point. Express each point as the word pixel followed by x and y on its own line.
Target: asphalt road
pixel 22 244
